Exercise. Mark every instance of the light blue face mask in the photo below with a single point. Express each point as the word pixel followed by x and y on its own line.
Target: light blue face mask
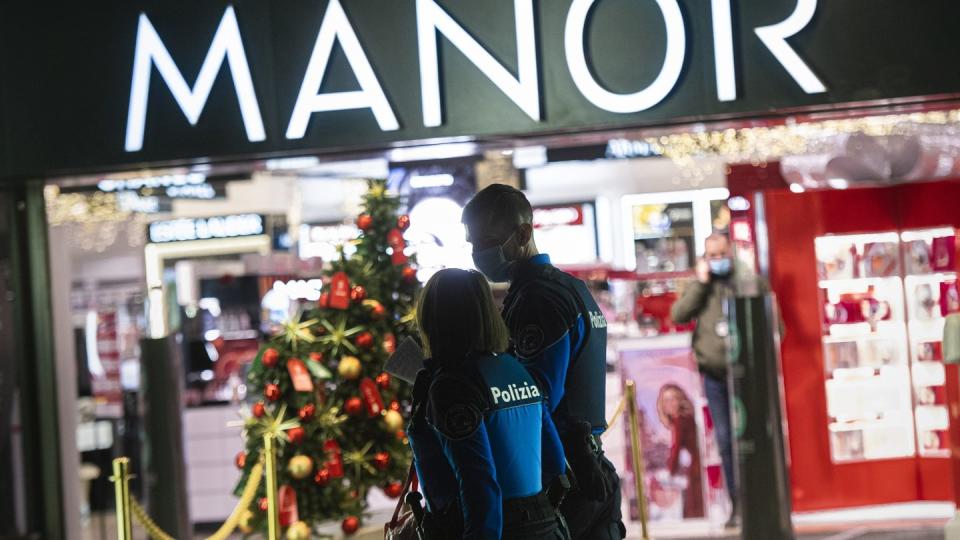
pixel 720 267
pixel 493 264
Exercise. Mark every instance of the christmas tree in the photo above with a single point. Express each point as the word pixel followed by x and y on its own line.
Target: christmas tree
pixel 319 384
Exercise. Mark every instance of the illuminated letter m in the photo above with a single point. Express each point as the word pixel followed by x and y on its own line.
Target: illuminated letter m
pixel 150 51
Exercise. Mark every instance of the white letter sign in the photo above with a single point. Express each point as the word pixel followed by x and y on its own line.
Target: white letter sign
pixel 624 103
pixel 522 90
pixel 775 38
pixel 336 27
pixel 226 45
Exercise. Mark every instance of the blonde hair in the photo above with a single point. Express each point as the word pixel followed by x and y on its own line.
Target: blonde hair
pixel 456 315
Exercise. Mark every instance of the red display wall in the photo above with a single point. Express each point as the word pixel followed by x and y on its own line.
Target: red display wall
pixel 793 221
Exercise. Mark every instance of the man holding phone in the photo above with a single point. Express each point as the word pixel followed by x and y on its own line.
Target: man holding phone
pixel 703 300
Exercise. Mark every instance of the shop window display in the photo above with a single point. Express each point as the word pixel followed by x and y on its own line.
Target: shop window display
pixel 884 297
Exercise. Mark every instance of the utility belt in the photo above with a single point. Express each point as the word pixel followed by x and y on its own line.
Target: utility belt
pixel 529 517
pixel 523 517
pixel 584 452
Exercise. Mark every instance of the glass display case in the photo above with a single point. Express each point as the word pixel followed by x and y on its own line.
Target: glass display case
pixel 884 296
pixel 930 284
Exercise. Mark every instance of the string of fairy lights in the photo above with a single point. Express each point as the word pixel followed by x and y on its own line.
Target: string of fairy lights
pixel 93 220
pixel 97 219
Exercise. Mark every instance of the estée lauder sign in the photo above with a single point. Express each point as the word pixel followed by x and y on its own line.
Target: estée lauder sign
pixel 116 83
pixel 433 22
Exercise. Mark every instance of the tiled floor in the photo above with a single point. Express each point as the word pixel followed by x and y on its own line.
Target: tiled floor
pixel 918 521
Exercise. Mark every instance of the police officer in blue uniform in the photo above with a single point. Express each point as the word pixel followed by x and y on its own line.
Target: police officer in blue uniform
pixel 560 334
pixel 488 456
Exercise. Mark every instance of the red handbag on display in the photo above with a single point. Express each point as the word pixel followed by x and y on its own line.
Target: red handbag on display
pixel 403 526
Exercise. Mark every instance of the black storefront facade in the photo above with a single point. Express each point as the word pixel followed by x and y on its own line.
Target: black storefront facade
pixel 118 85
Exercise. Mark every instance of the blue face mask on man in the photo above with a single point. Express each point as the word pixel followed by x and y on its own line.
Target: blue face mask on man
pixel 492 262
pixel 720 267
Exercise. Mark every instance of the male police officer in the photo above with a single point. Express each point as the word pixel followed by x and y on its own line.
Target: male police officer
pixel 559 333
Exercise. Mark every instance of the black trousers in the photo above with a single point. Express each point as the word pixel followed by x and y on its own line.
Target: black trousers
pixel 595 520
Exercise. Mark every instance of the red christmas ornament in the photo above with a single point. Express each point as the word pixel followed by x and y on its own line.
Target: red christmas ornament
pixel 402 436
pixel 377 311
pixel 364 222
pixel 364 340
pixel 389 343
pixel 335 458
pixel 381 460
pixel 394 406
pixel 358 293
pixel 396 240
pixel 350 525
pixel 316 357
pixel 371 397
pixel 241 460
pixel 398 257
pixel 353 406
pixel 324 301
pixel 409 274
pixel 270 357
pixel 258 409
pixel 322 477
pixel 306 412
pixel 296 435
pixel 393 489
pixel 403 222
pixel 272 392
pixel 383 380
pixel 262 504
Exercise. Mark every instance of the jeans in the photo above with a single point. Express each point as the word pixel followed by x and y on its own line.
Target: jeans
pixel 718 399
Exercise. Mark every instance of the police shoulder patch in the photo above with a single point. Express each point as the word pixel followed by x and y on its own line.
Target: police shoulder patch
pixel 529 340
pixel 455 406
pixel 459 421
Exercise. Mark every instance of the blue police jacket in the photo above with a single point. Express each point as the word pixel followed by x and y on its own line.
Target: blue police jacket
pixel 483 436
pixel 560 334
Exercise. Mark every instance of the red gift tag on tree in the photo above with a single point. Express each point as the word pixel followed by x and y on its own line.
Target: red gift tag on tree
pixel 340 291
pixel 287 502
pixel 334 458
pixel 299 375
pixel 371 397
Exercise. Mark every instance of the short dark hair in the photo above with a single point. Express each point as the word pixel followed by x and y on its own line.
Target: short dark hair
pixel 499 204
pixel 457 315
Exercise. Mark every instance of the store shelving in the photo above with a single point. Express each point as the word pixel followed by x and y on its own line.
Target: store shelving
pixel 930 274
pixel 884 298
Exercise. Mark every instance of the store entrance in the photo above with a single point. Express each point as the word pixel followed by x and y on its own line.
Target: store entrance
pixel 863 365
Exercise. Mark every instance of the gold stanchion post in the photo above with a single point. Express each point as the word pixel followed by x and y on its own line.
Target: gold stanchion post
pixel 273 509
pixel 121 488
pixel 636 450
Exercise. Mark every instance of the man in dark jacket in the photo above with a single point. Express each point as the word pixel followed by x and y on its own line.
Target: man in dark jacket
pixel 559 333
pixel 703 300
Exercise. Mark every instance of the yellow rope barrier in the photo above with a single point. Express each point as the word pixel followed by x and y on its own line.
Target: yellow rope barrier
pixel 616 415
pixel 153 530
pixel 246 499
